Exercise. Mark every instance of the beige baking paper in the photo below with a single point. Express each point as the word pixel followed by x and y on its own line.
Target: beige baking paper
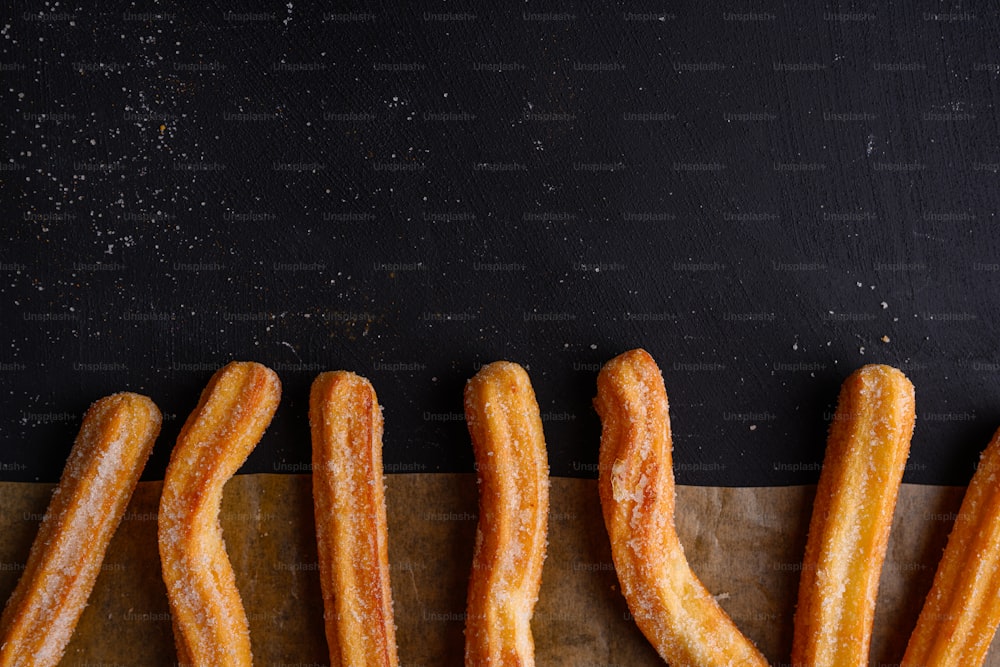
pixel 744 543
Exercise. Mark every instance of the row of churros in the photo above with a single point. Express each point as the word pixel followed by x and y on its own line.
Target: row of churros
pixel 867 449
pixel 866 454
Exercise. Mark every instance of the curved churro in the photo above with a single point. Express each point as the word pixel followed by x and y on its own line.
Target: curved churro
pixel 962 609
pixel 349 498
pixel 513 474
pixel 670 605
pixel 210 626
pixel 863 466
pixel 103 468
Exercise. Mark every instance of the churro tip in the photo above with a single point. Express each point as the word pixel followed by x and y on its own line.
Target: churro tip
pixel 331 386
pixel 496 369
pixel 137 404
pixel 248 368
pixel 340 375
pixel 875 372
pixel 506 374
pixel 637 357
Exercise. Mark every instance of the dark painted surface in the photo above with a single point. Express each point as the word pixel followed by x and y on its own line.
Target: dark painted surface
pixel 765 201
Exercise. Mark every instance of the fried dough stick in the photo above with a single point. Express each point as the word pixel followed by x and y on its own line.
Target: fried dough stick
pixel 351 533
pixel 101 473
pixel 675 612
pixel 866 454
pixel 513 475
pixel 210 625
pixel 962 609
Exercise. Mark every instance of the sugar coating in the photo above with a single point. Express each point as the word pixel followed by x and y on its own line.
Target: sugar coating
pixel 101 472
pixel 681 619
pixel 349 499
pixel 234 410
pixel 962 610
pixel 866 455
pixel 509 446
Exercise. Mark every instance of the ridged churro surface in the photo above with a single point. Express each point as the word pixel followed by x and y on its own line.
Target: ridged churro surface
pixel 210 625
pixel 675 612
pixel 866 453
pixel 962 610
pixel 101 473
pixel 513 475
pixel 351 534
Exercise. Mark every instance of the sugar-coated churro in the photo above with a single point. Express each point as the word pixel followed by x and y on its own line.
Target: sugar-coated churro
pixel 962 609
pixel 103 468
pixel 675 612
pixel 210 625
pixel 866 453
pixel 513 475
pixel 351 533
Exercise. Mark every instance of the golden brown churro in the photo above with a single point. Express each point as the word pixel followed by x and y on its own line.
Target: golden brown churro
pixel 351 534
pixel 103 468
pixel 962 609
pixel 513 476
pixel 670 605
pixel 863 466
pixel 210 626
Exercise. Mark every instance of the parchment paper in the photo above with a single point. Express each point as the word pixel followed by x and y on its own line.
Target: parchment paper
pixel 745 544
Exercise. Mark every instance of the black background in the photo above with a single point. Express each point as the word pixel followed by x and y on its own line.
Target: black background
pixel 765 197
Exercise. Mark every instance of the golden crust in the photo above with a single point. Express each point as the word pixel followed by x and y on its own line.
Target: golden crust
pixel 513 475
pixel 962 609
pixel 351 533
pixel 670 605
pixel 210 626
pixel 103 468
pixel 866 454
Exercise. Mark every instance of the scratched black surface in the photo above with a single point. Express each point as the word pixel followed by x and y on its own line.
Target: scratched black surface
pixel 763 199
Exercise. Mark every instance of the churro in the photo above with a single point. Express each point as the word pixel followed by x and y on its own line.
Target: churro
pixel 351 534
pixel 210 625
pixel 513 476
pixel 103 468
pixel 672 608
pixel 866 454
pixel 962 609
